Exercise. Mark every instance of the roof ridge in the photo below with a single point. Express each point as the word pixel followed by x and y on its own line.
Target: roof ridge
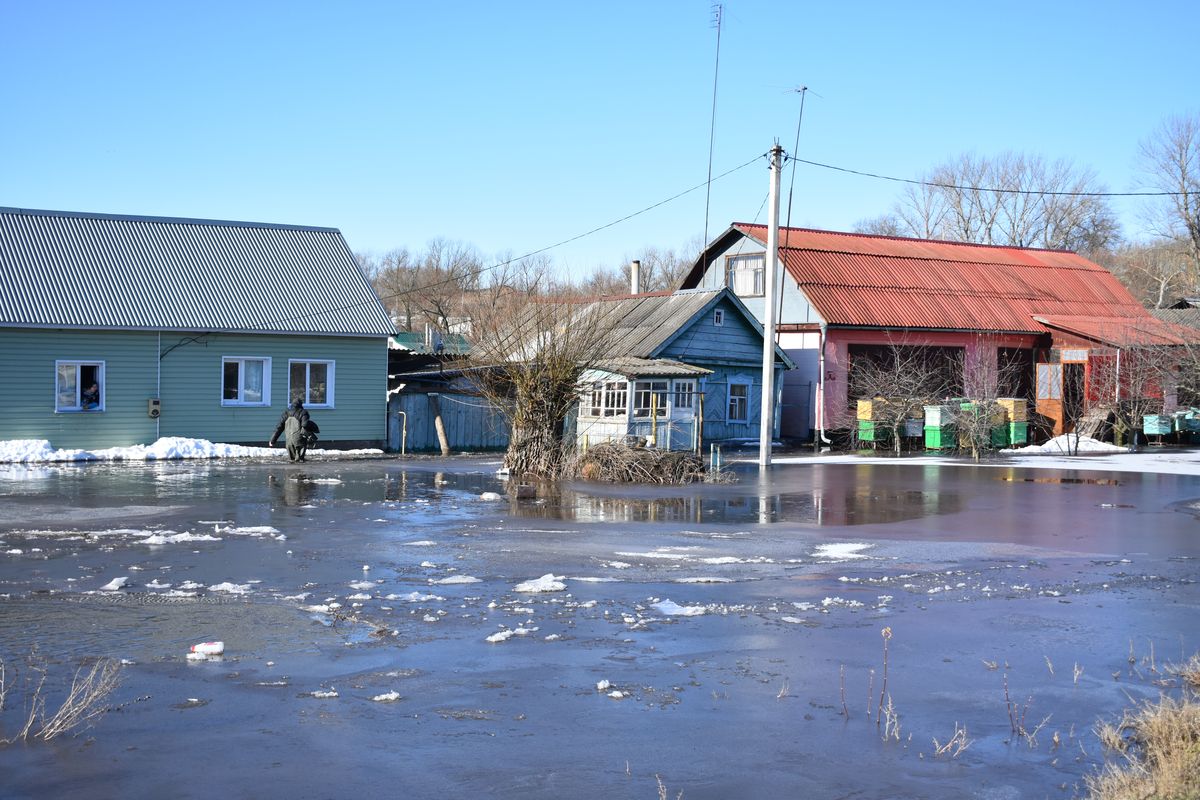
pixel 37 212
pixel 888 237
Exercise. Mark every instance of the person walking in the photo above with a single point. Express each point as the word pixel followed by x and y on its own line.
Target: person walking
pixel 293 425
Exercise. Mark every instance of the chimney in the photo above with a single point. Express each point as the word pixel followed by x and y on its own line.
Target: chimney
pixel 635 277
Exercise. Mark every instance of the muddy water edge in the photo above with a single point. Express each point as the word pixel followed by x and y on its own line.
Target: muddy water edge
pixel 389 632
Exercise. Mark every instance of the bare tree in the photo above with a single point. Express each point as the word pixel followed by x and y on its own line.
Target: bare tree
pixel 1170 162
pixel 1012 199
pixel 899 379
pixel 530 362
pixel 426 288
pixel 1155 273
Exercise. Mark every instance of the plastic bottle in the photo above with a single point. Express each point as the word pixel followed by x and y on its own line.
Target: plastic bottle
pixel 209 648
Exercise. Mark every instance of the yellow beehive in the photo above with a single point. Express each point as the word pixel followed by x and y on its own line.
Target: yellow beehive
pixel 871 409
pixel 1015 408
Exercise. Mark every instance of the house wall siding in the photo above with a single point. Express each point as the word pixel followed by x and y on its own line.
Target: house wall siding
pixel 794 309
pixel 192 387
pixel 704 343
pixel 27 360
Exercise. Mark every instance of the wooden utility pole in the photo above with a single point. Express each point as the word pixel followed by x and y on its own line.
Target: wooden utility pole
pixel 770 287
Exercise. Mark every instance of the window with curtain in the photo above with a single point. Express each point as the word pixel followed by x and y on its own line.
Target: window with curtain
pixel 246 381
pixel 312 382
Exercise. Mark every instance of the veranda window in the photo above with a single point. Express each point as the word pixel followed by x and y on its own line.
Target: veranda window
pixel 650 396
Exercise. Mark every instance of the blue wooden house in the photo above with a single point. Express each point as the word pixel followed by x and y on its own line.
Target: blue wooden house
pixel 683 368
pixel 119 330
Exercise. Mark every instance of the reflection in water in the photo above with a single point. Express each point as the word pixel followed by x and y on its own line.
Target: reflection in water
pixel 845 505
pixel 293 488
pixel 1092 481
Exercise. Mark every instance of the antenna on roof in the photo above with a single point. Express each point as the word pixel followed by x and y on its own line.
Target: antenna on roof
pixel 802 90
pixel 717 14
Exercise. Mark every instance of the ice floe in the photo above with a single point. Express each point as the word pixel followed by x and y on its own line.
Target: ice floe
pixel 546 583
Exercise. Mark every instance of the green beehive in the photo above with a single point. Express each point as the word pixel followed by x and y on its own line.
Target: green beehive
pixel 1018 433
pixel 940 438
pixel 999 436
pixel 869 431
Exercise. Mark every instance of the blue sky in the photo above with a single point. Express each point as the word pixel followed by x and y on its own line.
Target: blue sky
pixel 513 126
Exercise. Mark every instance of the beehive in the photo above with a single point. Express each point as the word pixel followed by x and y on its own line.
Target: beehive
pixel 1016 408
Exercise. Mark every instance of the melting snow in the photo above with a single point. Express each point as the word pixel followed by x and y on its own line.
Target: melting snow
pixel 840 551
pixel 170 447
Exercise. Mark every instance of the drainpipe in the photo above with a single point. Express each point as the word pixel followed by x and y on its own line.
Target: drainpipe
pixel 821 391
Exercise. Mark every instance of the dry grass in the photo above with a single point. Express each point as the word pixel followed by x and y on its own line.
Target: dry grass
pixel 1159 746
pixel 1188 672
pixel 84 702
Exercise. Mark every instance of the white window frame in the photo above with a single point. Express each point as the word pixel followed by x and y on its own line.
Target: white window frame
pixel 329 381
pixel 606 399
pixel 241 362
pixel 683 388
pixel 729 403
pixel 753 265
pixel 616 398
pixel 1049 381
pixel 592 403
pixel 77 406
pixel 644 391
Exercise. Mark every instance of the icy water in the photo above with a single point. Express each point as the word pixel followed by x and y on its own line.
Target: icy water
pixel 391 634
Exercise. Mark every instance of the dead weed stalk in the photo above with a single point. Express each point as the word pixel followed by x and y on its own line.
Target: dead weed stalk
pixel 83 704
pixel 955 745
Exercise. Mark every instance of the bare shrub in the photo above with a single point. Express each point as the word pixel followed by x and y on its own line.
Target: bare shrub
pixel 618 463
pixel 84 702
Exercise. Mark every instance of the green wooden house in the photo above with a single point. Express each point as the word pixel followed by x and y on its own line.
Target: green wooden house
pixel 120 330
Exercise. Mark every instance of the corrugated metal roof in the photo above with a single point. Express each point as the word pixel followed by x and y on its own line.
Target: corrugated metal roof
pixel 889 282
pixel 1179 316
pixel 651 367
pixel 1124 332
pixel 96 271
pixel 640 324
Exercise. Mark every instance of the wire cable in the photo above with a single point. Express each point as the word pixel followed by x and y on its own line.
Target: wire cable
pixel 982 188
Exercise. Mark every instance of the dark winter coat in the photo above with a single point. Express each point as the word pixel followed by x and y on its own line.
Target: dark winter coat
pixel 298 411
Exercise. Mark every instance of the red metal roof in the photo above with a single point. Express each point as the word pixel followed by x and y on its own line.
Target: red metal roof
pixel 1149 331
pixel 861 280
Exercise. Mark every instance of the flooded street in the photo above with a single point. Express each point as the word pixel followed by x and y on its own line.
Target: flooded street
pixel 391 629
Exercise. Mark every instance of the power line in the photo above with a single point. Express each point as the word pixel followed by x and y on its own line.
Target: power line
pixel 981 188
pixel 482 270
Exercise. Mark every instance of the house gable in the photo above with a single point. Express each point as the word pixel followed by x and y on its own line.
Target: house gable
pixel 735 341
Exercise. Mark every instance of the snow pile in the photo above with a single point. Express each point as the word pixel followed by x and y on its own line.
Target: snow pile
pixel 1067 444
pixel 169 447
